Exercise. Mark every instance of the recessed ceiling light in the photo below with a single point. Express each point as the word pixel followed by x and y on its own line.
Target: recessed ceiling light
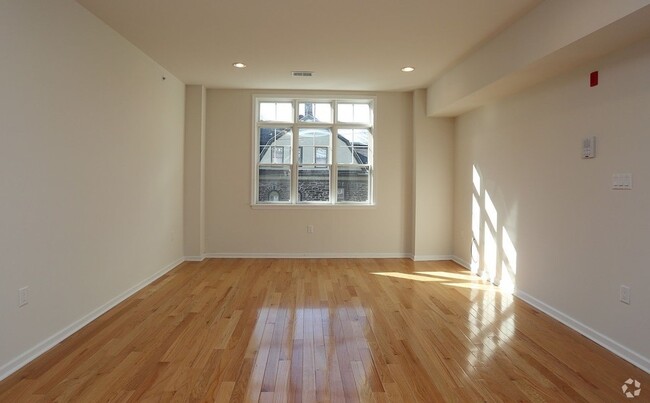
pixel 239 65
pixel 408 69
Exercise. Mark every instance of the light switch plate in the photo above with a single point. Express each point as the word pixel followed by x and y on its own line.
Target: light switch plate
pixel 589 147
pixel 622 181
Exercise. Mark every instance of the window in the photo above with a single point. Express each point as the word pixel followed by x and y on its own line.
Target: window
pixel 313 151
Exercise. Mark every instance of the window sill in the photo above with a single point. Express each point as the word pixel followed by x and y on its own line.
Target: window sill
pixel 312 206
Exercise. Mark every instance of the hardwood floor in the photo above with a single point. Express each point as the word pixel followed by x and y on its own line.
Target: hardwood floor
pixel 303 330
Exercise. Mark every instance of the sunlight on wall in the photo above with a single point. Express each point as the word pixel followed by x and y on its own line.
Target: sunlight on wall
pixel 476 180
pixel 476 234
pixel 491 211
pixel 493 253
pixel 509 263
pixel 489 255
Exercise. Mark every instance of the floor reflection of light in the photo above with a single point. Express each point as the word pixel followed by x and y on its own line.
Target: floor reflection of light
pixel 307 360
pixel 490 322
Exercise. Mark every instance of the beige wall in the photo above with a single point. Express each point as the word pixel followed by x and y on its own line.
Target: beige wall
pixel 433 153
pixel 194 173
pixel 574 240
pixel 234 228
pixel 91 170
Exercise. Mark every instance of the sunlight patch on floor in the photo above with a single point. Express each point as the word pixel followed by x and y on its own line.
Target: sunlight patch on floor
pixel 407 276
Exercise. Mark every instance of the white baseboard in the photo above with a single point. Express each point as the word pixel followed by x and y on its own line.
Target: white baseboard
pixel 461 262
pixel 429 258
pixel 397 255
pixel 29 355
pixel 611 345
pixel 194 258
pixel 309 255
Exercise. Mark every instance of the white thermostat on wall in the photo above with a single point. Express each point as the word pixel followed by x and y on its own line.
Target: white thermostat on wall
pixel 589 147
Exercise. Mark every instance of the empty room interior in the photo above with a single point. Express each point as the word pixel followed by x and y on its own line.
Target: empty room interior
pixel 296 201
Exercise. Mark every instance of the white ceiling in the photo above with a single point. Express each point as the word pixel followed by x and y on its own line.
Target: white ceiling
pixel 349 44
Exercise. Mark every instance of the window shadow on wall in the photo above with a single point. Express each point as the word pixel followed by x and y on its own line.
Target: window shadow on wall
pixel 493 253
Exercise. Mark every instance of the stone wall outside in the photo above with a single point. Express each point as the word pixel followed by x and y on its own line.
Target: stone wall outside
pixel 354 189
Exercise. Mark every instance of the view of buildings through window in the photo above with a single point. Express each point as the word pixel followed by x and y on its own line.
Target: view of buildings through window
pixel 313 151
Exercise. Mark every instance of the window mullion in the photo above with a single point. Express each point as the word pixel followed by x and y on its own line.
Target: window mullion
pixel 334 167
pixel 294 154
pixel 334 186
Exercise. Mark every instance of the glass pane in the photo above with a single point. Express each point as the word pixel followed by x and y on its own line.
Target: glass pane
pixel 345 146
pixel 322 155
pixel 315 112
pixel 361 154
pixel 353 184
pixel 274 184
pixel 277 155
pixel 344 113
pixel 314 184
pixel 354 113
pixel 275 146
pixel 353 146
pixel 314 145
pixel 276 112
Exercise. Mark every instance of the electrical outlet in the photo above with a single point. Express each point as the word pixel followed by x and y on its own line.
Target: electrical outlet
pixel 310 229
pixel 23 296
pixel 625 296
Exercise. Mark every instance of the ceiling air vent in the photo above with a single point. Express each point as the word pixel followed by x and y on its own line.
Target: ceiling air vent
pixel 302 73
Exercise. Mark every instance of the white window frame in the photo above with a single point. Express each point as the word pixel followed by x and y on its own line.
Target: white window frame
pixel 295 164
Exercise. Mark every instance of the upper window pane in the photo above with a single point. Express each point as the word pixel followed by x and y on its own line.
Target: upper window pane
pixel 275 145
pixel 314 146
pixel 352 146
pixel 318 112
pixel 276 112
pixel 354 113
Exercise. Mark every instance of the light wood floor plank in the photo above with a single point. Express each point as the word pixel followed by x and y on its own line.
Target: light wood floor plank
pixel 307 330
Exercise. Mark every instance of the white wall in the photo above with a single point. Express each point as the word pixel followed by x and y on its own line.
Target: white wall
pixel 575 240
pixel 234 228
pixel 91 170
